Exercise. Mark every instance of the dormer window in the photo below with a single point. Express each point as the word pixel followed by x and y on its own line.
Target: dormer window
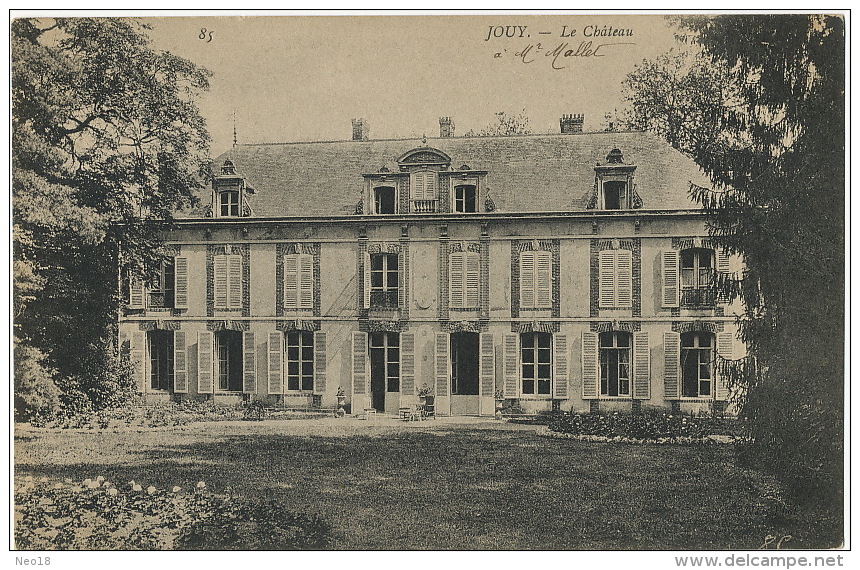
pixel 614 188
pixel 465 198
pixel 384 199
pixel 615 195
pixel 423 192
pixel 229 202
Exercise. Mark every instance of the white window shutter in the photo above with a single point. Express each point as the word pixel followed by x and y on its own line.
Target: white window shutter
pixel 417 186
pixel 726 349
pixel 624 278
pixel 180 287
pixel 407 363
pixel 527 279
pixel 641 366
pixel 473 280
pixel 366 277
pixel 561 366
pixel 249 369
pixel 291 281
pixel 443 363
pixel 487 365
pixel 136 293
pixel 456 278
pixel 606 279
pixel 180 362
pixel 320 362
pixel 275 358
pixel 205 349
pixel 235 281
pixel 220 277
pixel 306 281
pixel 138 357
pixel 429 185
pixel 670 278
pixel 359 363
pixel 672 365
pixel 590 369
pixel 723 262
pixel 543 279
pixel 511 348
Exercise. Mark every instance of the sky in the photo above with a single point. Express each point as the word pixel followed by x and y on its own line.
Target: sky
pixel 303 78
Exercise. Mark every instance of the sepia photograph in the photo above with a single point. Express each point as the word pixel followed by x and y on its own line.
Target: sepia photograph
pixel 463 281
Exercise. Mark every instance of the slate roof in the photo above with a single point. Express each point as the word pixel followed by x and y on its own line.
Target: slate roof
pixel 526 173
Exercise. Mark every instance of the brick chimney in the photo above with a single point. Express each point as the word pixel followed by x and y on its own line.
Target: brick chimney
pixel 360 130
pixel 571 123
pixel 446 127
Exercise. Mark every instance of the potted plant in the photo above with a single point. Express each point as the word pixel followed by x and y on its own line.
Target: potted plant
pixel 422 394
pixel 341 402
pixel 500 403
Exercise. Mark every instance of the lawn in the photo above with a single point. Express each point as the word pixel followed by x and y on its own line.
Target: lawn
pixel 441 485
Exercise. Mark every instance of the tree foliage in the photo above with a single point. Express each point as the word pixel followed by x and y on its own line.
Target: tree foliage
pixel 504 125
pixel 762 111
pixel 106 142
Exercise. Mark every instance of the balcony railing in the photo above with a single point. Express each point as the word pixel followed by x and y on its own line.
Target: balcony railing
pixel 384 299
pixel 698 297
pixel 424 206
pixel 159 300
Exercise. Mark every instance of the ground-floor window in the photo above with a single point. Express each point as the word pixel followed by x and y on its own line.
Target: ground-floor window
pixel 536 359
pixel 228 348
pixel 697 357
pixel 300 360
pixel 615 363
pixel 384 366
pixel 464 363
pixel 160 348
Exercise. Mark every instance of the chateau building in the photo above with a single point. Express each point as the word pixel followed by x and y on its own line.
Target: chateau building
pixel 558 271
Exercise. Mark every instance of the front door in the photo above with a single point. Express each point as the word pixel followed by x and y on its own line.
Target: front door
pixel 464 374
pixel 384 367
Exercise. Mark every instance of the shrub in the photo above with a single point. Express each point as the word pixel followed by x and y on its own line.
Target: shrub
pixel 643 426
pixel 36 394
pixel 95 515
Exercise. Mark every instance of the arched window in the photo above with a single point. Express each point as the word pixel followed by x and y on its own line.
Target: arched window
pixel 615 363
pixel 697 364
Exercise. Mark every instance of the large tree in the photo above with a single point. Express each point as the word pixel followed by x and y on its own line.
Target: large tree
pixel 767 101
pixel 106 142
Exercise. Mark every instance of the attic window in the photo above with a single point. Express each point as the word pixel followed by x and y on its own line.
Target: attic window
pixel 384 199
pixel 229 202
pixel 615 195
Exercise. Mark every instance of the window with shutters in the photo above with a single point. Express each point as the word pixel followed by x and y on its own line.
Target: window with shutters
pixel 697 364
pixel 159 346
pixel 615 363
pixel 228 359
pixel 229 204
pixel 423 187
pixel 161 294
pixel 384 200
pixel 615 279
pixel 227 273
pixel 298 281
pixel 536 363
pixel 697 277
pixel 385 362
pixel 300 360
pixel 464 275
pixel 536 280
pixel 384 280
pixel 465 198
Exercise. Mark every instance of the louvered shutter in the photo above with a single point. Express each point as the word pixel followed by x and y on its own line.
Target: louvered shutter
pixel 561 365
pixel 672 365
pixel 138 357
pixel 320 362
pixel 220 277
pixel 443 363
pixel 456 278
pixel 487 364
pixel 641 366
pixel 366 277
pixel 473 280
pixel 670 278
pixel 606 278
pixel 624 278
pixel 527 279
pixel 725 348
pixel 511 364
pixel 359 363
pixel 136 293
pixel 205 349
pixel 429 185
pixel 249 369
pixel 543 279
pixel 418 186
pixel 589 365
pixel 180 280
pixel 407 363
pixel 180 363
pixel 275 359
pixel 291 281
pixel 306 281
pixel 235 281
pixel 724 268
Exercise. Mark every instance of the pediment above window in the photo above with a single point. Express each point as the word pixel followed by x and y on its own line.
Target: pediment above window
pixel 424 156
